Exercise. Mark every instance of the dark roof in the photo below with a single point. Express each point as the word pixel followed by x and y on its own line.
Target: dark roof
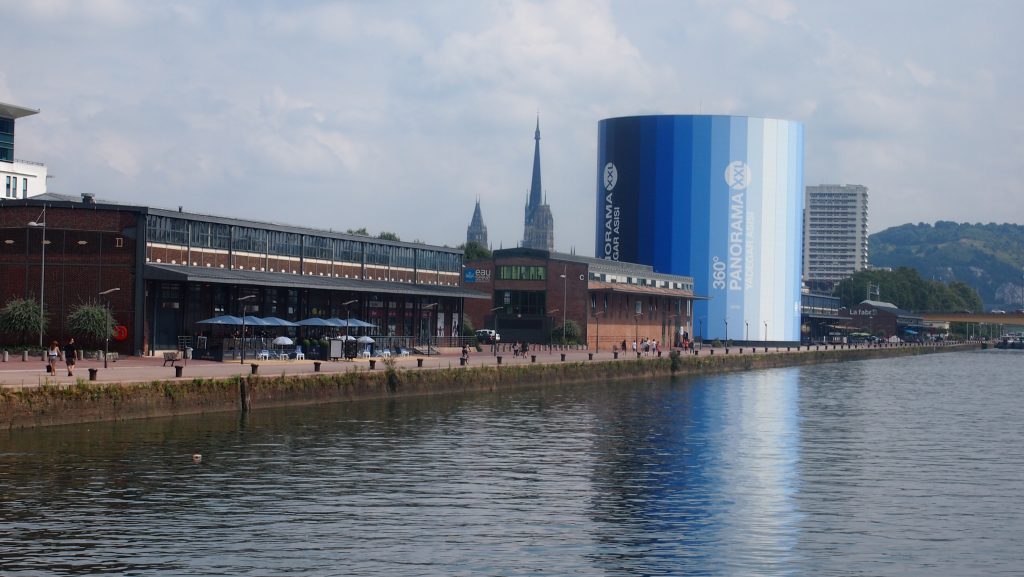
pixel 178 273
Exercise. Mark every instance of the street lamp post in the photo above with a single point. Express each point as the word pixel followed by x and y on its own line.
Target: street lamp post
pixel 726 332
pixel 107 323
pixel 766 333
pixel 242 300
pixel 746 335
pixel 348 318
pixel 41 223
pixel 636 332
pixel 430 306
pixel 565 268
pixel 700 333
pixel 494 340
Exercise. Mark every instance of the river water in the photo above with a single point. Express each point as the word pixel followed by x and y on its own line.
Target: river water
pixel 909 466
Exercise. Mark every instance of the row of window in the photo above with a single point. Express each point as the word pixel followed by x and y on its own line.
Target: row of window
pixel 602 277
pixel 506 272
pixel 11 191
pixel 209 235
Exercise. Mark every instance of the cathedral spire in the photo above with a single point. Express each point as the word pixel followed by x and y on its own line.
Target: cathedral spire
pixel 539 226
pixel 535 188
pixel 477 231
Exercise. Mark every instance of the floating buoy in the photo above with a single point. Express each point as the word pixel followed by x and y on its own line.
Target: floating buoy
pixel 196 457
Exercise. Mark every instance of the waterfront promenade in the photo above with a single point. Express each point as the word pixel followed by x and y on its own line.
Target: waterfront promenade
pixel 19 374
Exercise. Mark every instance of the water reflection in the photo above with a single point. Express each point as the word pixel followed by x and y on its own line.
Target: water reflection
pixel 807 471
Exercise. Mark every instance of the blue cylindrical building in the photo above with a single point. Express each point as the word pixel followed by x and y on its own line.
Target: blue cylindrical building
pixel 719 198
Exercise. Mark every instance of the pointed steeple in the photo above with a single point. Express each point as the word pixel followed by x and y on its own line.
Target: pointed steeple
pixel 477 231
pixel 535 188
pixel 539 226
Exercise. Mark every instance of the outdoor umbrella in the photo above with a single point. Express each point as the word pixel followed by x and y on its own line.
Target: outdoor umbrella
pixel 221 320
pixel 365 340
pixel 255 321
pixel 315 322
pixel 283 341
pixel 278 322
pixel 356 323
pixel 338 322
pixel 345 338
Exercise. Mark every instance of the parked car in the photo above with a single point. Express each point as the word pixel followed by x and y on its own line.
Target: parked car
pixel 487 336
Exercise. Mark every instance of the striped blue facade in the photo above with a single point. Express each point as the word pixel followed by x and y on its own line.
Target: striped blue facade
pixel 719 198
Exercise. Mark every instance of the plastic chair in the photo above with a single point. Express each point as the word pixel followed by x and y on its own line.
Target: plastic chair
pixel 263 355
pixel 299 355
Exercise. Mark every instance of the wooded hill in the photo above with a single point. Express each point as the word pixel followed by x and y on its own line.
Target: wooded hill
pixel 986 257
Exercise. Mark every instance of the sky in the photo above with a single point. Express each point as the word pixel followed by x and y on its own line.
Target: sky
pixel 398 115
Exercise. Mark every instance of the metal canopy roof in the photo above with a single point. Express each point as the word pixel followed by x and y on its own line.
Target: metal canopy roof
pixel 178 273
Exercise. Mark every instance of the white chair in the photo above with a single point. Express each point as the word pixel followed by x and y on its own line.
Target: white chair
pixel 299 355
pixel 263 355
pixel 385 353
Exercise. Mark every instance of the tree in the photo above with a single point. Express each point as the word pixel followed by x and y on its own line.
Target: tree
pixel 358 231
pixel 92 323
pixel 21 317
pixel 473 250
pixel 905 288
pixel 467 326
pixel 572 333
pixel 385 235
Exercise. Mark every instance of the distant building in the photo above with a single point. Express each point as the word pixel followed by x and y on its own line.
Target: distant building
pixel 477 231
pixel 532 292
pixel 835 233
pixel 539 225
pixel 20 178
pixel 886 320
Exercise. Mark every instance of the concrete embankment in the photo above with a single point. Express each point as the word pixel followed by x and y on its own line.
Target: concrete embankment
pixel 89 402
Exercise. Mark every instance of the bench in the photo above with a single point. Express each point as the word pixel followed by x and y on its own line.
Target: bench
pixel 172 357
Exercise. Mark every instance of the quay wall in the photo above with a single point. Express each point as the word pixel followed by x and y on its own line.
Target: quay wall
pixel 91 402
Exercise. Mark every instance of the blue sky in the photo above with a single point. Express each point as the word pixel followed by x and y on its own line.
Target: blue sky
pixel 397 116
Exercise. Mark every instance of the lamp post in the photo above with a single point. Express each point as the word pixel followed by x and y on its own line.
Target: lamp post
pixel 242 300
pixel 551 313
pixel 597 343
pixel 41 223
pixel 636 330
pixel 565 268
pixel 726 332
pixel 700 333
pixel 348 318
pixel 107 322
pixel 766 333
pixel 746 336
pixel 494 341
pixel 425 307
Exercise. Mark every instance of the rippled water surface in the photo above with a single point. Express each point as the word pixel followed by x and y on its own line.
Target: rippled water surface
pixel 909 466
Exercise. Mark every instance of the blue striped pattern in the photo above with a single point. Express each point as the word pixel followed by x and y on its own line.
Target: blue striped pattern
pixel 678 213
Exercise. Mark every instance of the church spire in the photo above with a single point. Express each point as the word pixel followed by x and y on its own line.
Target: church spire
pixel 535 188
pixel 477 231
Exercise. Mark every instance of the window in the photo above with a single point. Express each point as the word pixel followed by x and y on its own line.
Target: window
pixel 521 302
pixel 167 230
pixel 522 273
pixel 24 188
pixel 7 194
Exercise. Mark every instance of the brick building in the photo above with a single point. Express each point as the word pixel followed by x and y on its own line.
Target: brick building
pixel 531 292
pixel 173 268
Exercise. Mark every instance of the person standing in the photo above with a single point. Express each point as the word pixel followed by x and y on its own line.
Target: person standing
pixel 69 356
pixel 52 355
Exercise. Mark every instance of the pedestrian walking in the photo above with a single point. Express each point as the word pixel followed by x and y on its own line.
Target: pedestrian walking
pixel 69 356
pixel 52 356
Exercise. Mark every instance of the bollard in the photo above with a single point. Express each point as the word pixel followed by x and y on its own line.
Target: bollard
pixel 741 350
pixel 462 361
pixel 316 366
pixel 712 352
pixel 615 354
pixel 5 356
pixel 533 358
pixel 419 362
pixel 638 354
pixel 766 349
pixel 24 355
pixel 499 359
pixel 590 356
pixel 373 364
pixel 254 368
pixel 659 354
pixel 563 357
pixel 177 370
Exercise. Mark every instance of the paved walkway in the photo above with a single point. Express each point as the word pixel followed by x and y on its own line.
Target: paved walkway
pixel 18 373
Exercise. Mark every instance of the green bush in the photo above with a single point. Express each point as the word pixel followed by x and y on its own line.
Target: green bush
pixel 20 318
pixel 91 323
